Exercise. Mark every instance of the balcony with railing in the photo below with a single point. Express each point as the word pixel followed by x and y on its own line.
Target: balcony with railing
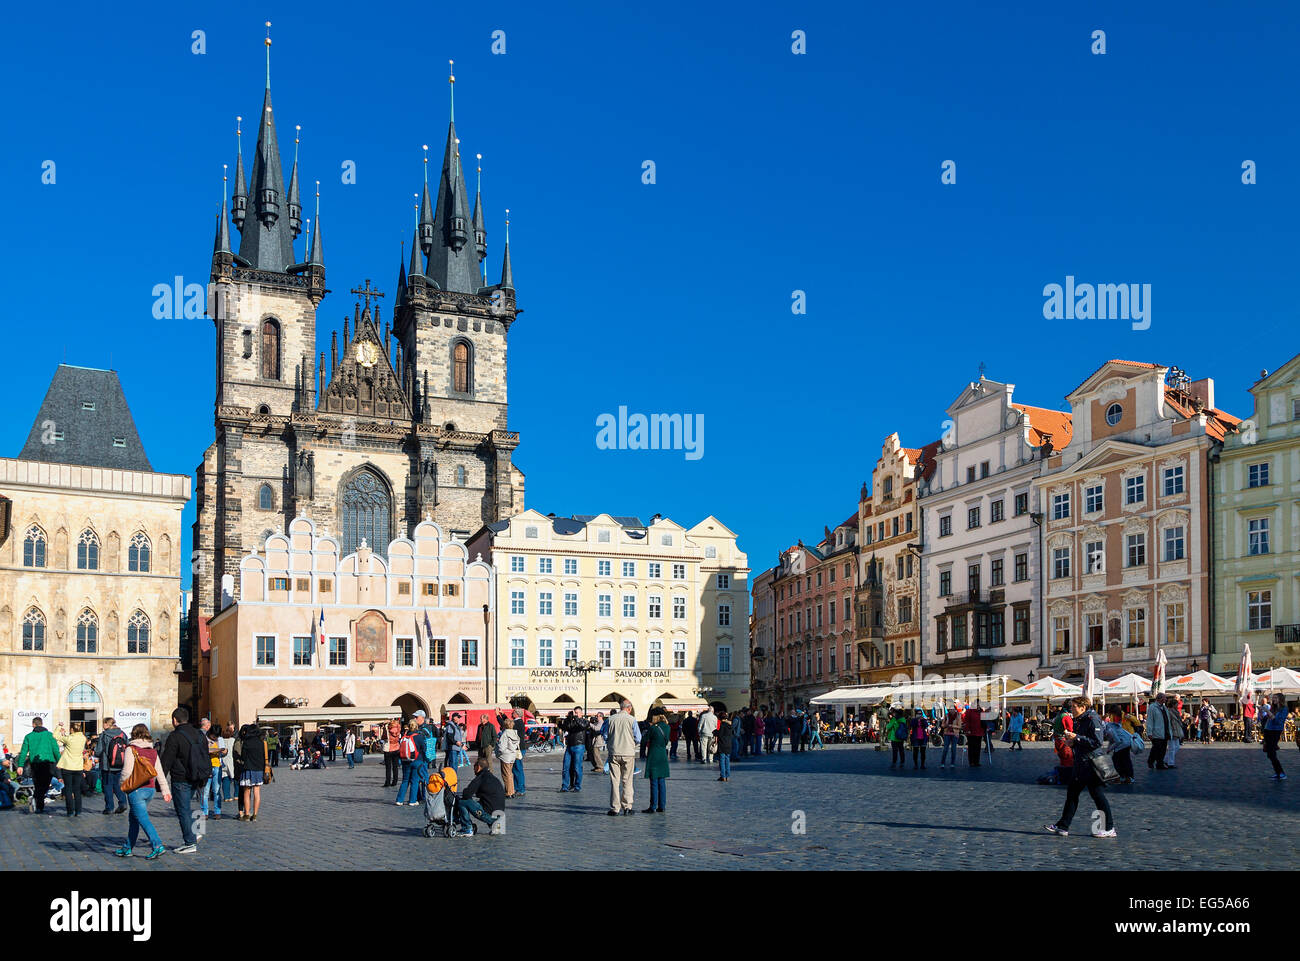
pixel 1286 634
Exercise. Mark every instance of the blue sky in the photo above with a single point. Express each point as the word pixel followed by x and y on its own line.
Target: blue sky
pixel 775 172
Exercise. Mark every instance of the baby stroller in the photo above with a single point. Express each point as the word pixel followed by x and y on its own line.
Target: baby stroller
pixel 440 804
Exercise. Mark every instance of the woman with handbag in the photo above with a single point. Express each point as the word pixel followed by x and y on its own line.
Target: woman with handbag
pixel 72 766
pixel 142 777
pixel 1085 738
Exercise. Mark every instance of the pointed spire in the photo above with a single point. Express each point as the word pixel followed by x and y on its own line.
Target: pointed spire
pixel 507 275
pixel 222 243
pixel 453 261
pixel 401 280
pixel 316 257
pixel 239 202
pixel 266 240
pixel 416 269
pixel 480 231
pixel 295 205
pixel 425 219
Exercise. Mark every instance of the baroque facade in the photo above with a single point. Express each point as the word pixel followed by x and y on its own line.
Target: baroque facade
pixel 1126 522
pixel 90 566
pixel 395 425
pixel 981 533
pixel 1257 529
pixel 663 610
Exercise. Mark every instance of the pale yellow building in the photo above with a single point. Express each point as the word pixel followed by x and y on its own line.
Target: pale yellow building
pixel 312 636
pixel 90 566
pixel 661 609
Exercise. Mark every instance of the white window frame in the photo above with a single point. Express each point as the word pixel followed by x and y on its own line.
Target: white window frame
pixel 605 606
pixel 519 647
pixel 397 650
pixel 275 652
pixel 293 651
pixel 546 652
pixel 679 655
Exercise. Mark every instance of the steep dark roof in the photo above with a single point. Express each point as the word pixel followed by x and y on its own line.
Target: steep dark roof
pixel 452 267
pixel 267 246
pixel 88 435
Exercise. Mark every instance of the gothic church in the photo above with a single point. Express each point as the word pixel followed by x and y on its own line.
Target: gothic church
pixel 394 424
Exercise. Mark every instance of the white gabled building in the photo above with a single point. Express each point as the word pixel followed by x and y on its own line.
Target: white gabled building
pixel 982 542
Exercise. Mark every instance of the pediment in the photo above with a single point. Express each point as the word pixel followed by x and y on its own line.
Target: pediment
pixel 1107 455
pixel 365 383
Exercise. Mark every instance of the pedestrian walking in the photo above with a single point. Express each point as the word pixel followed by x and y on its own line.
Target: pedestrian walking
pixel 485 739
pixel 39 755
pixel 708 729
pixel 622 741
pixel 760 730
pixel 390 740
pixel 919 729
pixel 507 752
pixel 575 729
pixel 1015 728
pixel 518 767
pixel 726 737
pixel 794 724
pixel 690 732
pixel 1086 737
pixel 252 751
pixel 110 751
pixel 453 741
pixel 656 763
pixel 212 790
pixel 815 740
pixel 1273 728
pixel 896 734
pixel 72 765
pixel 408 752
pixel 1205 717
pixel 349 748
pixel 951 728
pixel 1177 731
pixel 227 743
pixel 139 759
pixel 272 750
pixel 1248 721
pixel 747 722
pixel 1114 731
pixel 186 768
pixel 1158 729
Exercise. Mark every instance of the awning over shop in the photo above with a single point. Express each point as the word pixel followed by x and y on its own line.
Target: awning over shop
pixel 939 687
pixel 287 715
pixel 674 707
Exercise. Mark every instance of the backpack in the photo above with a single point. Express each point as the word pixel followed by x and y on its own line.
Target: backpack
pixel 406 748
pixel 198 763
pixel 115 753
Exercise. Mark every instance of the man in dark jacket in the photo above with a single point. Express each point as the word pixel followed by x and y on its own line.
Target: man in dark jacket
pixel 691 732
pixel 110 765
pixel 483 798
pixel 575 729
pixel 486 738
pixel 747 726
pixel 176 765
pixel 794 727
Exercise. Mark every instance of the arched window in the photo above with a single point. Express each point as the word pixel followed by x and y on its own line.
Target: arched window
pixel 460 476
pixel 34 547
pixel 87 632
pixel 88 551
pixel 367 513
pixel 137 633
pixel 270 349
pixel 137 555
pixel 460 368
pixel 33 630
pixel 265 500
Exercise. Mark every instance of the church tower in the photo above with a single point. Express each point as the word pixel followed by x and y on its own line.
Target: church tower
pixel 395 425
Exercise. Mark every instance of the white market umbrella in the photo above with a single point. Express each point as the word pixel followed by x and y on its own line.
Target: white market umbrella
pixel 1090 678
pixel 1127 685
pixel 1279 680
pixel 1158 680
pixel 1200 682
pixel 1243 676
pixel 1044 689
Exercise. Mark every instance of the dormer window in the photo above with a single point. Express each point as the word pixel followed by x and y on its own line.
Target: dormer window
pixel 119 441
pixel 87 405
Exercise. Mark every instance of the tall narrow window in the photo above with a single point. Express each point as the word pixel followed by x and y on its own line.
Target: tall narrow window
pixel 33 630
pixel 367 513
pixel 137 633
pixel 34 547
pixel 270 350
pixel 138 553
pixel 87 632
pixel 460 368
pixel 88 551
pixel 265 499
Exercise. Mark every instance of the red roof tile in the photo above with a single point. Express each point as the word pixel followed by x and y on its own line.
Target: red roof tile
pixel 1043 421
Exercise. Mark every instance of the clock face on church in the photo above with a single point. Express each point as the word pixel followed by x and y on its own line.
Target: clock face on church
pixel 367 353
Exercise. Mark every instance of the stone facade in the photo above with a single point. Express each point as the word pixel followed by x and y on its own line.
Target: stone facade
pixel 664 611
pixel 92 632
pixel 982 543
pixel 377 659
pixel 762 640
pixel 1257 530
pixel 1126 552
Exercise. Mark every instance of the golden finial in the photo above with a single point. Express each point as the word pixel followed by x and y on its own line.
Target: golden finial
pixel 268 55
pixel 425 147
pixel 451 80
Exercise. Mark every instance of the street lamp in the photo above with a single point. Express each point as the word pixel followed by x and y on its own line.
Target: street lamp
pixel 584 668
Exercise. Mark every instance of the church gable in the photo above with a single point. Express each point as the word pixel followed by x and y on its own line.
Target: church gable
pixel 364 384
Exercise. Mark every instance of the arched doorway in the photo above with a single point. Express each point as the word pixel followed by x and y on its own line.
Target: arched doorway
pixel 86 707
pixel 409 703
pixel 339 700
pixel 460 698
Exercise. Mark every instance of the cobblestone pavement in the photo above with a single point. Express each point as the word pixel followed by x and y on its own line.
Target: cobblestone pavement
pixel 1217 809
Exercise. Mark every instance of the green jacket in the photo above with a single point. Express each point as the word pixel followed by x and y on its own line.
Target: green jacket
pixel 656 752
pixel 38 746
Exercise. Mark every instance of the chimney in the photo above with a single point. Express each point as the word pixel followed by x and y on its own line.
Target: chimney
pixel 1203 390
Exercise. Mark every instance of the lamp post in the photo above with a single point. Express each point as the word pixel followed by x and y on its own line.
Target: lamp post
pixel 584 668
pixel 704 692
